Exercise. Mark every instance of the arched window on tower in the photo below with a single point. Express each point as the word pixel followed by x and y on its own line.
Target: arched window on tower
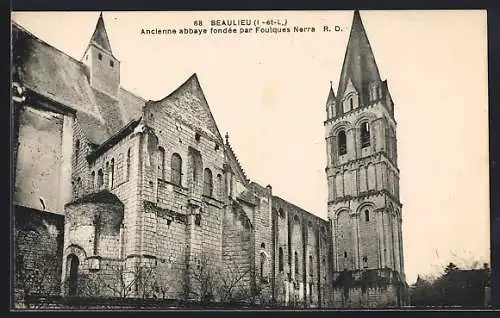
pixel 365 135
pixel 367 216
pixel 176 167
pixel 207 183
pixel 351 103
pixel 342 143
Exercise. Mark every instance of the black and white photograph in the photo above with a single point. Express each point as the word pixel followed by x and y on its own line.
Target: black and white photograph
pixel 277 160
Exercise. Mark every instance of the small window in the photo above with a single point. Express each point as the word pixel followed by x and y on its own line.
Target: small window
pixel 112 176
pixel 207 183
pixel 311 266
pixel 296 263
pixel 197 219
pixel 280 259
pixel 99 56
pixel 350 103
pixel 263 245
pixel 100 178
pixel 367 216
pixel 342 143
pixel 161 163
pixel 176 167
pixel 197 136
pixel 92 179
pixel 128 165
pixel 220 186
pixel 365 262
pixel 111 63
pixel 365 135
pixel 345 254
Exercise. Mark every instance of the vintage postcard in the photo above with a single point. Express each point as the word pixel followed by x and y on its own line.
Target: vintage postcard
pixel 250 159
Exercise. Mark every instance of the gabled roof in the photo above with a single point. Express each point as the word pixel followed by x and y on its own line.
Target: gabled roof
pixel 359 61
pixel 188 104
pixel 100 36
pixel 55 75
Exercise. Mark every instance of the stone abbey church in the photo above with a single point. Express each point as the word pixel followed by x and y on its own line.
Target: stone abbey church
pixel 118 196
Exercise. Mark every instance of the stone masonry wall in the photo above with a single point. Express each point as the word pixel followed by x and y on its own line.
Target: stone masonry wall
pixel 38 247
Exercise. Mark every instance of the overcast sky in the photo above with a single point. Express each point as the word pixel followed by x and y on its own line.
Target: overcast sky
pixel 269 92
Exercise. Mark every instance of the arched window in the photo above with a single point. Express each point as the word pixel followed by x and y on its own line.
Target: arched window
pixel 350 103
pixel 220 186
pixel 342 143
pixel 296 263
pixel 367 216
pixel 73 263
pixel 176 167
pixel 280 259
pixel 106 175
pixel 161 163
pixel 262 245
pixel 128 165
pixel 207 183
pixel 365 262
pixel 100 179
pixel 77 150
pixel 310 265
pixel 112 173
pixel 92 179
pixel 365 135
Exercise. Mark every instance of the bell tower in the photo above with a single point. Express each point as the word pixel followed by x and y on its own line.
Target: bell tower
pixel 104 68
pixel 364 209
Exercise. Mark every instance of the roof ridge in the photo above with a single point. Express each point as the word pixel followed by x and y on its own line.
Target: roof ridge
pixel 47 44
pixel 132 93
pixel 235 158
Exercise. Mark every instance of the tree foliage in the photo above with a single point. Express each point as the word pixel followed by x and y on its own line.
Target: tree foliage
pixel 455 287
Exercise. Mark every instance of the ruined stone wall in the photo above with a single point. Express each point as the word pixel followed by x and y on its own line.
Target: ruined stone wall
pixel 299 234
pixel 237 251
pixel 38 249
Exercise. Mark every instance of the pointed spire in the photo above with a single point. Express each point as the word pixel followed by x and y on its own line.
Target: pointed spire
pixel 100 37
pixel 359 61
pixel 331 95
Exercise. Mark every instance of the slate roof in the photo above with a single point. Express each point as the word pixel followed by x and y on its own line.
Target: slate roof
pixel 52 73
pixel 100 36
pixel 359 61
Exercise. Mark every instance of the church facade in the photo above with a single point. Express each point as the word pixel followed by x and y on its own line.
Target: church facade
pixel 127 197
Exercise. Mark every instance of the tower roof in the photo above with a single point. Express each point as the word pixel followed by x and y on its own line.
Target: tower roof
pixel 359 62
pixel 331 96
pixel 100 37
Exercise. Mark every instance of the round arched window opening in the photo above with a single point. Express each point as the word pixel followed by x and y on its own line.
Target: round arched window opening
pixel 73 262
